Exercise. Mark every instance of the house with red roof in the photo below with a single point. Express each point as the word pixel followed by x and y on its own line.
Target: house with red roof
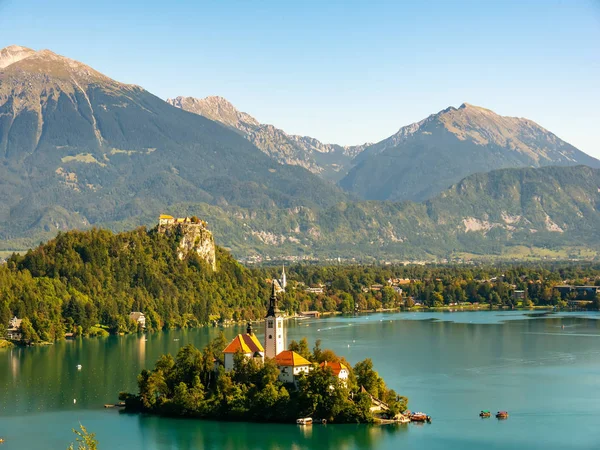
pixel 248 344
pixel 340 370
pixel 291 365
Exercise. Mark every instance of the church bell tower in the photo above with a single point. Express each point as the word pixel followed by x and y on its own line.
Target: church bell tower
pixel 274 329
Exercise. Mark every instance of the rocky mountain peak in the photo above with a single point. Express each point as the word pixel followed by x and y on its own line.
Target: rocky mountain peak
pixel 12 54
pixel 53 65
pixel 216 108
pixel 328 160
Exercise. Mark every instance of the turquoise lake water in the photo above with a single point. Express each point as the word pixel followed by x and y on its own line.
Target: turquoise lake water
pixel 450 365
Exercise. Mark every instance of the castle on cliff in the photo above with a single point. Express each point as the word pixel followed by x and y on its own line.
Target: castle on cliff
pixel 196 237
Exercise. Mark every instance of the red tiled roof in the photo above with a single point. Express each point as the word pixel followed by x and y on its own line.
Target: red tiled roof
pixel 336 367
pixel 290 358
pixel 247 343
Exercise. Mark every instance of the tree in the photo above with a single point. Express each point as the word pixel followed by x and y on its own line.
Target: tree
pixel 85 440
pixel 301 348
pixel 28 334
pixel 388 297
pixel 347 304
pixel 369 379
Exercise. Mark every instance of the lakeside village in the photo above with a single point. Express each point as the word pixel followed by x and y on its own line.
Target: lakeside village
pixel 246 380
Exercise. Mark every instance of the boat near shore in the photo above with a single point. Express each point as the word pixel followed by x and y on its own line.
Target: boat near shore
pixel 419 417
pixel 304 421
pixel 115 405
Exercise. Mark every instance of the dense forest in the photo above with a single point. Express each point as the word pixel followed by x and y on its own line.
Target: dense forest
pixel 191 385
pixel 87 283
pixel 83 279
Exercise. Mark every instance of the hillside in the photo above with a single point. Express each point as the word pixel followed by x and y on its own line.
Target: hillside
pixel 423 159
pixel 78 148
pixel 330 161
pixel 80 279
pixel 550 210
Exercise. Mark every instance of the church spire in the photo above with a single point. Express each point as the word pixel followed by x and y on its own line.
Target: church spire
pixel 273 310
pixel 283 280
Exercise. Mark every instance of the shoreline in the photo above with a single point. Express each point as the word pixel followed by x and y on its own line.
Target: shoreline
pixel 6 344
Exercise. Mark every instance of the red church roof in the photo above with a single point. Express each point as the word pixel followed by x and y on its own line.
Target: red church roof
pixel 291 359
pixel 247 343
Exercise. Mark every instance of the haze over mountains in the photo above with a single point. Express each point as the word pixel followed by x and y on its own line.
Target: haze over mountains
pixel 79 149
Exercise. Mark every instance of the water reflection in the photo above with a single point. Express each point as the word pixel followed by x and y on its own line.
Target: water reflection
pixel 163 434
pixel 450 365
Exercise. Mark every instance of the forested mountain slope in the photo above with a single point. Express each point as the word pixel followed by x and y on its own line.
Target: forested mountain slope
pixel 78 148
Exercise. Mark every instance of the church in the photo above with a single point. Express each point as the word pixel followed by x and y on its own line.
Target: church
pixel 290 363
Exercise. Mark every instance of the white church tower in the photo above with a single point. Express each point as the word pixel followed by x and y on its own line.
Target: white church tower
pixel 283 281
pixel 274 329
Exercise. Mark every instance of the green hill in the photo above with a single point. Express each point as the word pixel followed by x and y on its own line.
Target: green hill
pixel 96 276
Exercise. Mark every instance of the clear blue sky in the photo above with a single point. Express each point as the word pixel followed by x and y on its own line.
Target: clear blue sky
pixel 341 71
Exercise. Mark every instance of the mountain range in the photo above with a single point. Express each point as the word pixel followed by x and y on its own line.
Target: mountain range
pixel 79 149
pixel 417 162
pixel 330 161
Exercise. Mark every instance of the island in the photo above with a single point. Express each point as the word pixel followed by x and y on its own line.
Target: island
pixel 244 380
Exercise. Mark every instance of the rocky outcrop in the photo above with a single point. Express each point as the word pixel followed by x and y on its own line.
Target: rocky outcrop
pixel 194 237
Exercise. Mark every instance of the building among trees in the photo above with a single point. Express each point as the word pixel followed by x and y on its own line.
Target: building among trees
pixel 289 363
pixel 246 344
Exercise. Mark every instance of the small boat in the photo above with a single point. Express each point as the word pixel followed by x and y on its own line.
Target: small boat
pixel 1 440
pixel 485 413
pixel 502 415
pixel 109 405
pixel 419 417
pixel 78 366
pixel 304 421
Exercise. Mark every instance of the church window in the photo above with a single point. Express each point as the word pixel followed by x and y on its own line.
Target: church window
pixel 280 324
pixel 270 324
pixel 270 337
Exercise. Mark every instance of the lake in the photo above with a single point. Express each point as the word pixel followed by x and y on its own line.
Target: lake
pixel 542 368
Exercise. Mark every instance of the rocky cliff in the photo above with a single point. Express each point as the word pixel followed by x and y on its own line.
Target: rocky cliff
pixel 194 237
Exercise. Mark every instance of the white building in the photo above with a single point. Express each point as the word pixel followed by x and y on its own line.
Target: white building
pixel 139 318
pixel 14 329
pixel 339 370
pixel 283 280
pixel 291 365
pixel 274 329
pixel 248 344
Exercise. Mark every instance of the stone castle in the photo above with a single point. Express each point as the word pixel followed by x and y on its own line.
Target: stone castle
pixel 195 237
